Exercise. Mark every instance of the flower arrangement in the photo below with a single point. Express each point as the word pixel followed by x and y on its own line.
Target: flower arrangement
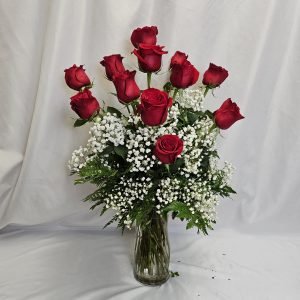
pixel 160 156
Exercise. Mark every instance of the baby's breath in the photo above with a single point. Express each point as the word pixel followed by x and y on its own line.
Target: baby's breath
pixel 197 182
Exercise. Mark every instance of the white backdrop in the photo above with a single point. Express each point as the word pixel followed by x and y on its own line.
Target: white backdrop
pixel 258 41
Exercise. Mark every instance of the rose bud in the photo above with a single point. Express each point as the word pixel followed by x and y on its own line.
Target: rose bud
pixel 127 89
pixel 227 114
pixel 149 57
pixel 84 104
pixel 154 107
pixel 145 35
pixel 167 148
pixel 214 76
pixel 113 64
pixel 184 75
pixel 76 77
pixel 178 58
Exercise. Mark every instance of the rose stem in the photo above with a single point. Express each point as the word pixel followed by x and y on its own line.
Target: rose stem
pixel 149 80
pixel 128 109
pixel 175 93
pixel 206 90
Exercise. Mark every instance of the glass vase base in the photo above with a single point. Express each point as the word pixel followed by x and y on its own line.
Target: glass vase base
pixel 150 281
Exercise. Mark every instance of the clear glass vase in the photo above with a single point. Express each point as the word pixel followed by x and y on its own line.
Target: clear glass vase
pixel 152 250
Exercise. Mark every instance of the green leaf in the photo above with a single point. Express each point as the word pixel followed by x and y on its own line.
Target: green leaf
pixel 205 163
pixel 192 117
pixel 181 209
pixel 104 209
pixel 113 110
pixel 178 163
pixel 115 218
pixel 121 150
pixel 174 274
pixel 109 149
pixel 95 205
pixel 189 225
pixel 210 114
pixel 214 153
pixel 174 214
pixel 214 126
pixel 92 171
pixel 79 122
pixel 229 190
pixel 183 212
pixel 94 196
pixel 168 87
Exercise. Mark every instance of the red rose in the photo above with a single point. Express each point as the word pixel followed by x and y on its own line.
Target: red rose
pixel 149 57
pixel 184 75
pixel 154 107
pixel 227 114
pixel 76 77
pixel 178 58
pixel 214 76
pixel 145 35
pixel 113 64
pixel 167 148
pixel 84 104
pixel 127 89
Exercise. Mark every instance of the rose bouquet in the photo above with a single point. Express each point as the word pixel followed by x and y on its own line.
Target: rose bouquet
pixel 158 157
